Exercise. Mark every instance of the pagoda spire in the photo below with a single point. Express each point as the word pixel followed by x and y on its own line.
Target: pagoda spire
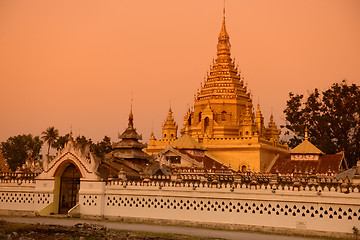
pixel 247 117
pixel 131 116
pixel 169 128
pixel 259 121
pixel 223 47
pixel 224 80
pixel 306 134
pixel 152 136
pixel 272 132
pixel 170 110
pixel 131 120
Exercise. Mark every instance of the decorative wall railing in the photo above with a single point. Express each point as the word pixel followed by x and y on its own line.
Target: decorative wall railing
pixel 17 177
pixel 274 182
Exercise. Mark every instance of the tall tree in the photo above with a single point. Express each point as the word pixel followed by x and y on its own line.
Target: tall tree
pixel 50 135
pixel 4 166
pixel 19 148
pixel 332 117
pixel 83 142
pixel 102 148
pixel 60 142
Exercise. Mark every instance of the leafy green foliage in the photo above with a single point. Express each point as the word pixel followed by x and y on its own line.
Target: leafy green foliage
pixel 99 149
pixel 102 148
pixel 61 141
pixel 50 135
pixel 332 117
pixel 19 148
pixel 83 141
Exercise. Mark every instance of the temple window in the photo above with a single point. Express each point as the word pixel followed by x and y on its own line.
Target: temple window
pixel 206 123
pixel 199 116
pixel 174 159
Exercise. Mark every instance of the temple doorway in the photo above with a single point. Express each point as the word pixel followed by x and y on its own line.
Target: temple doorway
pixel 206 125
pixel 69 189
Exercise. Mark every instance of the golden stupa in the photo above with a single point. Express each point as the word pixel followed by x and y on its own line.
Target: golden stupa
pixel 223 119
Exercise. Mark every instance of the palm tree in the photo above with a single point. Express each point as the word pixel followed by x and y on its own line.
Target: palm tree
pixel 49 136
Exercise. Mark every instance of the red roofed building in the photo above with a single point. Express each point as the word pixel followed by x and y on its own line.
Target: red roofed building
pixel 307 158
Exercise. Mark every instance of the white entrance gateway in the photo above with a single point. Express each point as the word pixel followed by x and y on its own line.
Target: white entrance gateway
pixel 71 171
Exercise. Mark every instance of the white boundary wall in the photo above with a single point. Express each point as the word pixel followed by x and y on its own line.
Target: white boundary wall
pixel 17 197
pixel 329 211
pixel 325 211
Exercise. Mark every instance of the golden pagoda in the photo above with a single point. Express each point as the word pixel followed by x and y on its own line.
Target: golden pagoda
pixel 222 119
pixel 169 135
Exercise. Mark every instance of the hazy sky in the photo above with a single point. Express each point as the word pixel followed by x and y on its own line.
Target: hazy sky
pixel 75 63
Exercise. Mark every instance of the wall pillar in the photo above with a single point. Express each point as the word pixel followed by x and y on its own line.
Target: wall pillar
pixel 92 197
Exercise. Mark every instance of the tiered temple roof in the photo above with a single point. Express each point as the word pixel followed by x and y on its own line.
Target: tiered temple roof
pixel 127 160
pixel 129 148
pixel 224 80
pixel 223 106
pixel 222 119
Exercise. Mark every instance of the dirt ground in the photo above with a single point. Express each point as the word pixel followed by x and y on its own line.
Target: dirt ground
pixel 17 231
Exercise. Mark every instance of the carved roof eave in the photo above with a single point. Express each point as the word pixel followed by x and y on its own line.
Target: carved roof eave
pixel 130 134
pixel 87 166
pixel 126 145
pixel 131 155
pixel 222 96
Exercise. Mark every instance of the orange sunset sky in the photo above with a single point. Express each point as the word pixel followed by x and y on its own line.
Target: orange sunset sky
pixel 72 63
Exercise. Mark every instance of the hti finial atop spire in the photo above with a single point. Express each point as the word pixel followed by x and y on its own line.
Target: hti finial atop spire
pixel 223 39
pixel 131 116
pixel 223 33
pixel 131 101
pixel 224 11
pixel 170 113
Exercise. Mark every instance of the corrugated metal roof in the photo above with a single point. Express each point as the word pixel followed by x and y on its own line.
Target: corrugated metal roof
pixel 326 162
pixel 306 147
pixel 187 142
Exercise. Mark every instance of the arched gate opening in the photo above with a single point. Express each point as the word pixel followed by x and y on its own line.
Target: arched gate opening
pixel 69 188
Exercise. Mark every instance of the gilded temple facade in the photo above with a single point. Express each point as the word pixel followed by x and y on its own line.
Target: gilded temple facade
pixel 223 120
